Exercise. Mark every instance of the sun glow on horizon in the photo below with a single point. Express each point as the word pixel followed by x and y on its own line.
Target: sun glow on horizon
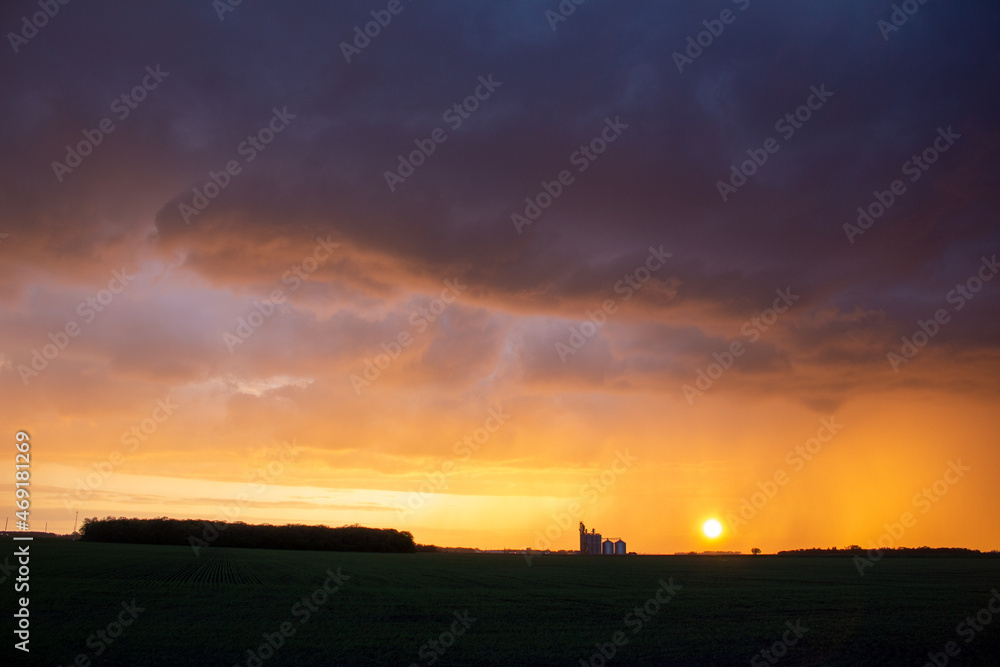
pixel 712 529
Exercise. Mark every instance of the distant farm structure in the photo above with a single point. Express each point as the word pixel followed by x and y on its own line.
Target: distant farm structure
pixel 591 544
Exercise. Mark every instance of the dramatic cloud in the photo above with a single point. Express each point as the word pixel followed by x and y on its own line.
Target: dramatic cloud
pixel 691 230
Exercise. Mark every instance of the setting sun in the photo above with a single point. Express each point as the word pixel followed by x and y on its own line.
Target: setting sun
pixel 712 528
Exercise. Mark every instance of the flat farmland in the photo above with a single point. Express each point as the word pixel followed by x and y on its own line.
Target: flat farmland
pixel 163 605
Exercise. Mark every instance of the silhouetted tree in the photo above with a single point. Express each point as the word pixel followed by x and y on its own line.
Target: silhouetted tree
pixel 755 551
pixel 239 534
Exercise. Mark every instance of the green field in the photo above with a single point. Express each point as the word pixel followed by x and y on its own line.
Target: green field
pixel 210 609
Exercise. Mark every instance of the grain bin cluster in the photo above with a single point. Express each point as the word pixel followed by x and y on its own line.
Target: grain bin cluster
pixel 591 544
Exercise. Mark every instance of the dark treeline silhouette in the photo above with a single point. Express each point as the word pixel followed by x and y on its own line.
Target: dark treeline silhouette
pixel 917 552
pixel 239 534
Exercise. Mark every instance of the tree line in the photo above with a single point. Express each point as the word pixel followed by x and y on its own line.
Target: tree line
pixel 185 532
pixel 916 552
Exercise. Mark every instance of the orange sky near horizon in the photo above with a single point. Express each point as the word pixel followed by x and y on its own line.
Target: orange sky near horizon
pixel 633 461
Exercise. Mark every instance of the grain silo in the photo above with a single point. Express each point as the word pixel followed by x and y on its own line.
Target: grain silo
pixel 590 543
pixel 595 543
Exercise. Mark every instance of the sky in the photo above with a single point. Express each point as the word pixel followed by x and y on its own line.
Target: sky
pixel 482 271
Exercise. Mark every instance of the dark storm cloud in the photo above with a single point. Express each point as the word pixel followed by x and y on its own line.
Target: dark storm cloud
pixel 655 184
